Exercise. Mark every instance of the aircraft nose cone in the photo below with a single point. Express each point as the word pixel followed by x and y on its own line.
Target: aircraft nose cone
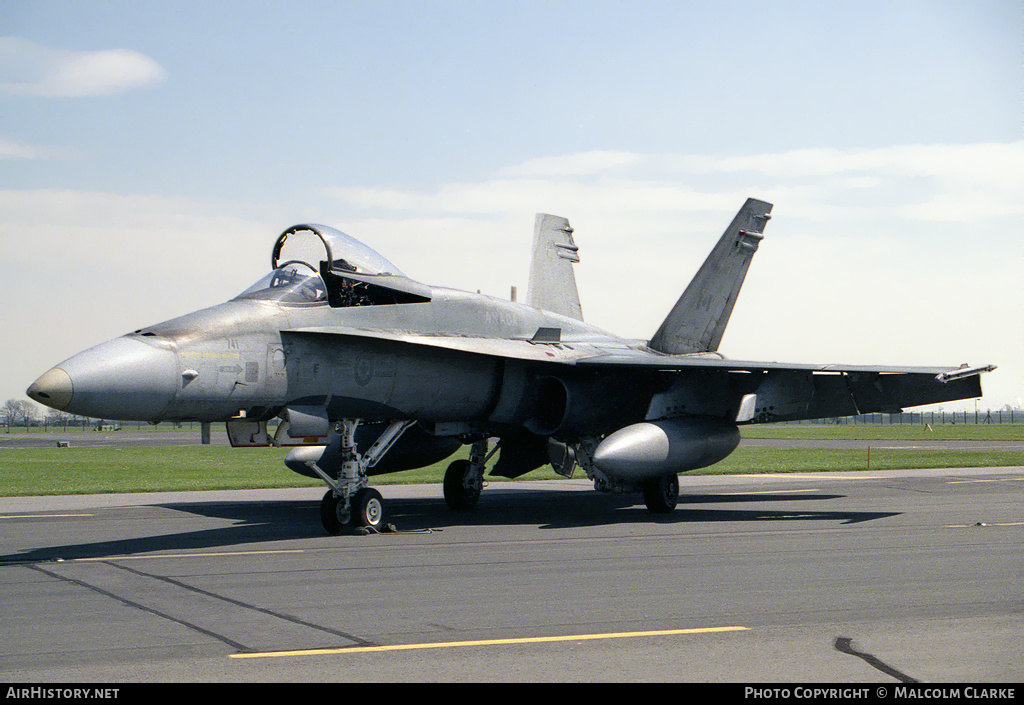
pixel 54 389
pixel 122 379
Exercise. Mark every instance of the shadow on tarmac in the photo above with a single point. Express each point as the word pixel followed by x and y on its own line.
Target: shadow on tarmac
pixel 257 523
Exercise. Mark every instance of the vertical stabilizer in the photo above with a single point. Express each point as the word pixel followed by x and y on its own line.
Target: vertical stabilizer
pixel 698 320
pixel 552 284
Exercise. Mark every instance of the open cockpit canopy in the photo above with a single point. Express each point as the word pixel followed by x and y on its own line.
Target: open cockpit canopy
pixel 324 265
pixel 342 251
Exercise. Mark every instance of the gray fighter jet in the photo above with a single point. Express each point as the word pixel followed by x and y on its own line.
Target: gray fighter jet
pixel 379 373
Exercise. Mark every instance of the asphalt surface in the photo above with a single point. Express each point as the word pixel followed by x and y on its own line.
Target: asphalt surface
pixel 894 576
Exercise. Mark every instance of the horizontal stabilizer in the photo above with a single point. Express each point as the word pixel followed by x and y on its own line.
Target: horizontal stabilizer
pixel 698 320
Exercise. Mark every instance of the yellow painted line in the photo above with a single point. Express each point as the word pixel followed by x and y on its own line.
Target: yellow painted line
pixel 484 642
pixel 773 491
pixel 41 516
pixel 151 556
pixel 838 475
pixel 964 526
pixel 999 479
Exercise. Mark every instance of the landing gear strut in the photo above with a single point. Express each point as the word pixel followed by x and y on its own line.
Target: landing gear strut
pixel 350 502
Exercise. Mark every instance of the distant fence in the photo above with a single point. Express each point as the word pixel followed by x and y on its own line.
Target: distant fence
pixel 920 418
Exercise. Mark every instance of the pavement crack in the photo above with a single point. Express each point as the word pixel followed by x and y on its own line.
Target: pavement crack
pixel 845 645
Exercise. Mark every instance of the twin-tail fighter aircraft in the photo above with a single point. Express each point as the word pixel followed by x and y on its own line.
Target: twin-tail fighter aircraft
pixel 380 373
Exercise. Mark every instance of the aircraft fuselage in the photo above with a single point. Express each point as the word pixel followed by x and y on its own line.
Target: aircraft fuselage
pixel 242 357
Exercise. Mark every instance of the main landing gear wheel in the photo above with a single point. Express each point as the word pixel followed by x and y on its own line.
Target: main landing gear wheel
pixel 661 494
pixel 366 510
pixel 462 486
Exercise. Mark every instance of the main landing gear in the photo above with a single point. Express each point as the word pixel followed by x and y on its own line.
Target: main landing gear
pixel 661 494
pixel 350 503
pixel 464 479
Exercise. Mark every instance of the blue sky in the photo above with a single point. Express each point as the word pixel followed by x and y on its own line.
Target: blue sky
pixel 151 152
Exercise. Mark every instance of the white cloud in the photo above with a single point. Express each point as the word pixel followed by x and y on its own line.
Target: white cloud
pixel 140 258
pixel 572 165
pixel 917 182
pixel 12 149
pixel 515 196
pixel 988 162
pixel 27 68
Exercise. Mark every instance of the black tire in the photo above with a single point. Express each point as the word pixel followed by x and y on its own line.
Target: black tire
pixel 461 490
pixel 367 509
pixel 329 506
pixel 661 494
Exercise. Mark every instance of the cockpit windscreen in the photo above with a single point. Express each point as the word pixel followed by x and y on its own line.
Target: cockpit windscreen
pixel 292 283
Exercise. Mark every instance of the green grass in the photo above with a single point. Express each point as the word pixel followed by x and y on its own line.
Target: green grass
pixel 40 471
pixel 31 471
pixel 938 432
pixel 779 460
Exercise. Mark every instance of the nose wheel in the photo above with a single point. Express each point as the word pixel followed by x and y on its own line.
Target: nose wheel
pixel 365 510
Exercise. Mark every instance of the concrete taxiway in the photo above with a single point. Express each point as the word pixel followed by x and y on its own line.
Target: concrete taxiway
pixel 886 576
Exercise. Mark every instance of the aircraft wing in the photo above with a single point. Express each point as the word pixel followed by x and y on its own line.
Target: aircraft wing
pixel 640 359
pixel 783 391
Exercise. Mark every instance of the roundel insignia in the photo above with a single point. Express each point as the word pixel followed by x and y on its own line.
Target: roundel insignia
pixel 364 372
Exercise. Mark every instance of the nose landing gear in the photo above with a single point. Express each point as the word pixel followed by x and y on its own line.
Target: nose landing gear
pixel 350 503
